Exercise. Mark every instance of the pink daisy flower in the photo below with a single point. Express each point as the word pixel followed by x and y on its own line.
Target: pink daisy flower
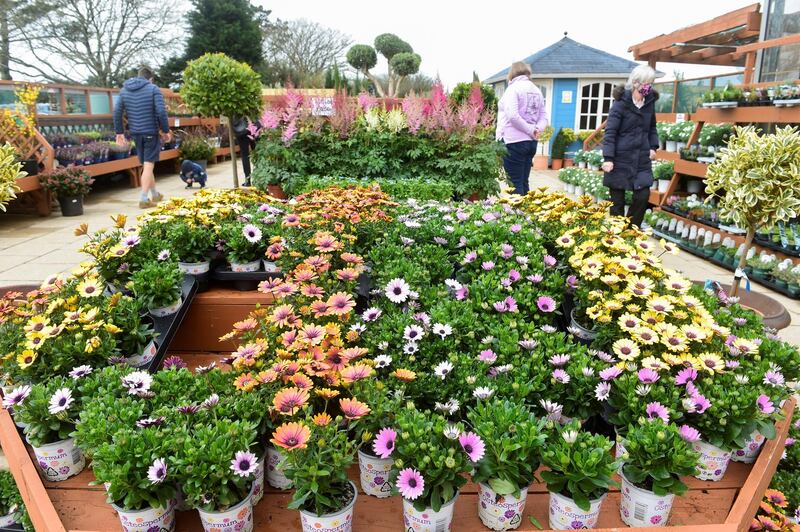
pixel 657 410
pixel 689 434
pixel 472 445
pixel 410 483
pixel 383 445
pixel 546 304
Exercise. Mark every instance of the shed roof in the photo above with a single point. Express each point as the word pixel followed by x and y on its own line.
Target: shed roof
pixel 567 56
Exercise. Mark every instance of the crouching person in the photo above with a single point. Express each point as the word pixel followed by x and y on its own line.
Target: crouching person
pixel 192 173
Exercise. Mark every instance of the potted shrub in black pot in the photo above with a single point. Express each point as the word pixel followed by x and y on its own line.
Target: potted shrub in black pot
pixel 69 185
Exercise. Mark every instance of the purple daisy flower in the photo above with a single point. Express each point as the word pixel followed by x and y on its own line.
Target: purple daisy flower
pixel 685 375
pixel 602 391
pixel 657 410
pixel 410 483
pixel 383 445
pixel 515 228
pixel 188 409
pixel 535 278
pixel 174 362
pixel 549 261
pixel 371 314
pixel 244 463
pixel 150 422
pixel 648 376
pixel 559 375
pixel 80 371
pixel 157 472
pixel 488 356
pixel 689 434
pixel 528 345
pixel 163 255
pixel 211 402
pixel 765 405
pixel 546 303
pixel 559 360
pixel 439 240
pixel 611 373
pixel 470 257
pixel 774 378
pixel 472 445
pixel 487 265
pixel 60 401
pixel 251 233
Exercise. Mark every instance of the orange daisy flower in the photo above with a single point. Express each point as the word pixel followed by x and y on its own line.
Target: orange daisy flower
pixel 319 308
pixel 353 408
pixel 291 436
pixel 347 274
pixel 341 303
pixel 245 325
pixel 245 382
pixel 352 258
pixel 355 373
pixel 302 381
pixel 289 400
pixel 326 393
pixel 312 334
pixel 266 376
pixel 312 290
pixel 322 420
pixel 405 375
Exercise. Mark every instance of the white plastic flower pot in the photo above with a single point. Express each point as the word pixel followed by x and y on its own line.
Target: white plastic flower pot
pixel 274 473
pixel 579 331
pixel 500 512
pixel 269 266
pixel 671 146
pixel 594 167
pixel 428 520
pixel 8 520
pixel 147 519
pixel 60 460
pixel 663 185
pixel 569 188
pixel 578 190
pixel 582 164
pixel 237 518
pixel 144 358
pixel 752 447
pixel 252 266
pixel 257 490
pixel 642 508
pixel 169 310
pixel 341 521
pixel 195 268
pixel 713 461
pixel 375 474
pixel 679 146
pixel 566 515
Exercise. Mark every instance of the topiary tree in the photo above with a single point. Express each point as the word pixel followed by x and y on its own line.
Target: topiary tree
pixel 216 85
pixel 757 181
pixel 461 92
pixel 399 55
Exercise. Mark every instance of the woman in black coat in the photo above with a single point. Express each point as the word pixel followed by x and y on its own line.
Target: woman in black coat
pixel 630 143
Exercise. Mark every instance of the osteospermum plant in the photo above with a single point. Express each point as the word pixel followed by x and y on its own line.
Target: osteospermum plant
pixel 430 457
pixel 49 410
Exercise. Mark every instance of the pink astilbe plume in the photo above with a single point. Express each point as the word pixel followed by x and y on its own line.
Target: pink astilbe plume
pixel 440 119
pixel 414 109
pixel 475 99
pixel 270 119
pixel 345 111
pixel 438 97
pixel 292 113
pixel 253 131
pixel 367 101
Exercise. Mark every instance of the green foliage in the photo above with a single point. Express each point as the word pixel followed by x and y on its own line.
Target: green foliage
pixel 362 57
pixel 215 84
pixel 398 189
pixel 405 63
pixel 42 426
pixel 389 45
pixel 422 445
pixel 231 27
pixel 580 464
pixel 461 91
pixel 563 139
pixel 318 471
pixel 66 182
pixel 657 457
pixel 196 148
pixel 663 170
pixel 10 499
pixel 10 171
pixel 189 242
pixel 157 284
pixel 135 334
pixel 514 439
pixel 757 178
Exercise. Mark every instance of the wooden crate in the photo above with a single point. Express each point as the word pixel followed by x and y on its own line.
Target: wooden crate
pixel 724 506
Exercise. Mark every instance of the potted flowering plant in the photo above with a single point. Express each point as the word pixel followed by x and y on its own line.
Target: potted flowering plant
pixel 215 469
pixel 514 439
pixel 190 244
pixel 657 456
pixel 580 473
pixel 136 337
pixel 158 286
pixel 69 185
pixel 244 245
pixel 133 468
pixel 10 500
pixel 49 412
pixel 317 459
pixel 10 171
pixel 430 459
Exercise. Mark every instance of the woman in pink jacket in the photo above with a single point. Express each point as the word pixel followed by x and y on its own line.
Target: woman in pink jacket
pixel 521 117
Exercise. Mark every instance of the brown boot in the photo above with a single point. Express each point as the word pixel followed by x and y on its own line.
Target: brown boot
pixel 146 204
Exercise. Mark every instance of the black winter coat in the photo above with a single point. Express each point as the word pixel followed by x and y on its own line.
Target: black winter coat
pixel 630 134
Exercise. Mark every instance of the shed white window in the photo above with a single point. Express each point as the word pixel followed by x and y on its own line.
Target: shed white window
pixel 594 104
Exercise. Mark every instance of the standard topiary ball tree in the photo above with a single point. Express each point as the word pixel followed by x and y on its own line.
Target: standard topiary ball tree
pixel 216 85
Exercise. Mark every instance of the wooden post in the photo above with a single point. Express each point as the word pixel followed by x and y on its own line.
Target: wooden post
pixel 749 67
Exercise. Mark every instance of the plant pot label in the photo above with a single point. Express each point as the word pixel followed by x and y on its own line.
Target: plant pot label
pixel 566 515
pixel 428 520
pixel 275 476
pixel 642 508
pixel 60 460
pixel 236 519
pixel 148 519
pixel 749 452
pixel 713 461
pixel 145 357
pixel 252 266
pixel 194 268
pixel 375 475
pixel 500 512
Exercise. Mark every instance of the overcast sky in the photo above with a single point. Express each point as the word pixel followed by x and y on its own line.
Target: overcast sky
pixel 454 38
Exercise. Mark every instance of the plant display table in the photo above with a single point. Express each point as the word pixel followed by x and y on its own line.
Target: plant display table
pixel 724 506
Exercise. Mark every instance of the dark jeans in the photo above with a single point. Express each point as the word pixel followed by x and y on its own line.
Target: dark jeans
pixel 244 153
pixel 639 204
pixel 518 163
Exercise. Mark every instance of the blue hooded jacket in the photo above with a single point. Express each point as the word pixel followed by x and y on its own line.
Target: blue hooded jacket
pixel 143 104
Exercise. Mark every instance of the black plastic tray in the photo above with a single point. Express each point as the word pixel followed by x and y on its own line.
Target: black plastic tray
pixel 167 326
pixel 243 281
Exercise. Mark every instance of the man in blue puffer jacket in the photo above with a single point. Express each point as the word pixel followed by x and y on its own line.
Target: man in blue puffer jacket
pixel 143 105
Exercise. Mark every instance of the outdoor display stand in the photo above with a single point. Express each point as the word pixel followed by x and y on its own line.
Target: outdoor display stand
pixel 74 505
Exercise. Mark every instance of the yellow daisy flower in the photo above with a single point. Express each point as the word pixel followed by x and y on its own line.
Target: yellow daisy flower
pixel 90 287
pixel 645 335
pixel 711 363
pixel 693 334
pixel 654 363
pixel 26 358
pixel 628 322
pixel 625 349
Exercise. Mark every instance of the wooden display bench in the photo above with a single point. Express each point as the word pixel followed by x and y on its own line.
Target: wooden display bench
pixel 724 506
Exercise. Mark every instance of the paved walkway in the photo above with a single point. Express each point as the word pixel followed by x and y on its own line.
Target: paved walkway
pixel 31 248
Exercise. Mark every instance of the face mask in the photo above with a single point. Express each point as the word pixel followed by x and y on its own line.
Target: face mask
pixel 645 89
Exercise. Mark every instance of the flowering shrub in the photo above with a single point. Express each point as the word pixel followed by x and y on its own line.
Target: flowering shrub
pixel 48 409
pixel 66 182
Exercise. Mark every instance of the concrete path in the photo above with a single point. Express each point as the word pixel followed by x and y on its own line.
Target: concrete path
pixel 31 248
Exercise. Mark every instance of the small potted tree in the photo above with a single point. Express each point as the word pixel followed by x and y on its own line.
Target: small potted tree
pixel 540 161
pixel 563 139
pixel 215 84
pixel 69 185
pixel 158 285
pixel 756 182
pixel 49 413
pixel 656 457
pixel 317 459
pixel 514 439
pixel 580 473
